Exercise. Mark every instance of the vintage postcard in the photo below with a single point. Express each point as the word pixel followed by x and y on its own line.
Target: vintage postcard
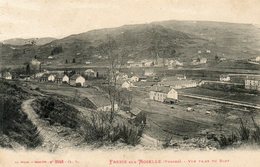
pixel 125 83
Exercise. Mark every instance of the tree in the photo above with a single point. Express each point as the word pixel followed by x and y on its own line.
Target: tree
pixel 73 60
pixel 66 61
pixel 109 49
pixel 28 69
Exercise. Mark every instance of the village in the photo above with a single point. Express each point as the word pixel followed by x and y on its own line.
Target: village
pixel 163 97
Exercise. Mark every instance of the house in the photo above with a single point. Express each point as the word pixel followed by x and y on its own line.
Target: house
pixel 65 79
pixel 208 51
pixel 77 80
pixel 142 78
pixel 133 64
pixel 175 83
pixel 147 63
pixel 252 83
pixel 257 58
pixel 102 103
pixel 199 61
pixel 59 77
pixel 163 94
pixel 7 75
pixel 203 60
pixel 51 77
pixel 173 63
pixel 90 73
pixel 39 74
pixel 88 62
pixel 134 78
pixel 127 85
pixel 224 78
pixel 44 78
pixel 181 76
pixel 121 77
pixel 149 72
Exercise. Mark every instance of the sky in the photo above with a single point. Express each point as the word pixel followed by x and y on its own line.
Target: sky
pixel 60 18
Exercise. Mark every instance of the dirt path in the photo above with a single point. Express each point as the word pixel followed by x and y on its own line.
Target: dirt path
pixel 52 140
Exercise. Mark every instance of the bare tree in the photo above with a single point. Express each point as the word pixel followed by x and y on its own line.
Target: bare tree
pixel 109 49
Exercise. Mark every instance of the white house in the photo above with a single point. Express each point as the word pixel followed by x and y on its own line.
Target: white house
pixel 39 74
pixel 203 60
pixel 199 61
pixel 7 76
pixel 65 79
pixel 127 85
pixel 51 78
pixel 257 58
pixel 149 72
pixel 147 63
pixel 177 84
pixel 163 94
pixel 122 76
pixel 224 78
pixel 181 76
pixel 134 79
pixel 90 73
pixel 77 80
pixel 252 82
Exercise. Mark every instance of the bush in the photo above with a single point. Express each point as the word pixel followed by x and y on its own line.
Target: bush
pixel 100 129
pixel 244 131
pixel 15 124
pixel 256 132
pixel 56 111
pixel 225 141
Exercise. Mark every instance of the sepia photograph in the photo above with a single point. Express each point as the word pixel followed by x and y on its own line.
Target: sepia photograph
pixel 125 83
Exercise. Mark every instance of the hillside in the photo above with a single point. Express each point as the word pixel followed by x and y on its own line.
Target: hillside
pixel 182 40
pixel 21 41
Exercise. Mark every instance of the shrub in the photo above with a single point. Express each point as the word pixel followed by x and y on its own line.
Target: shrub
pixel 130 134
pixel 56 111
pixel 244 131
pixel 256 132
pixel 225 141
pixel 15 124
pixel 99 128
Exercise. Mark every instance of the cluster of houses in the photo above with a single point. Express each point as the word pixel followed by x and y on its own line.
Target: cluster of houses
pixel 251 82
pixel 61 77
pixel 76 79
pixel 159 62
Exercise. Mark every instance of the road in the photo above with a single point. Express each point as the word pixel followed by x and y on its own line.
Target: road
pixel 52 141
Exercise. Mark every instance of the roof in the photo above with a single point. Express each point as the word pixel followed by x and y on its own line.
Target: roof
pixel 176 82
pixel 135 111
pixel 162 89
pixel 224 75
pixel 45 75
pixel 7 74
pixel 59 75
pixel 89 71
pixel 99 100
pixel 75 76
pixel 253 78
